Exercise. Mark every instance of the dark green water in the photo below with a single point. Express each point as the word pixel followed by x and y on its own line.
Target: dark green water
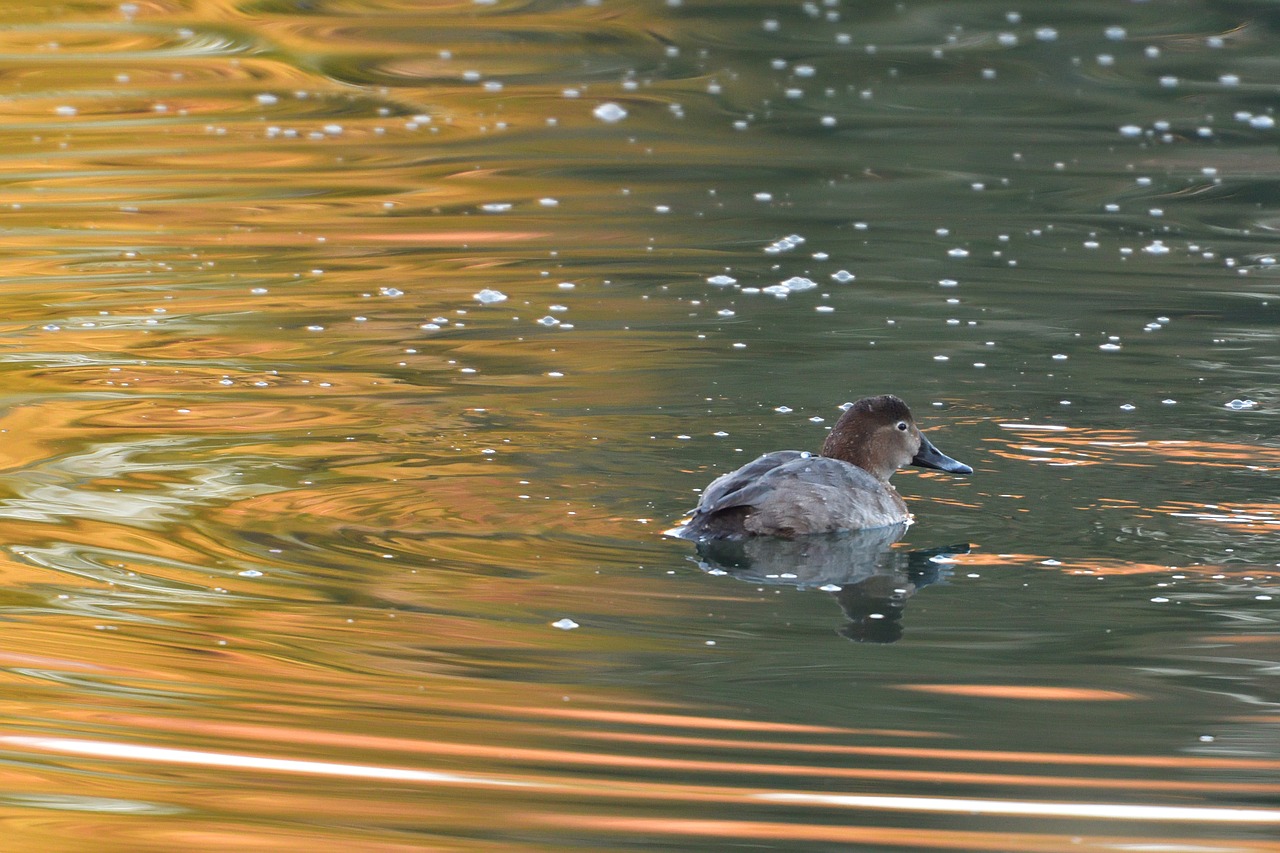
pixel 290 513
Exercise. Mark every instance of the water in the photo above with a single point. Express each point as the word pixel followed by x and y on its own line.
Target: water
pixel 311 542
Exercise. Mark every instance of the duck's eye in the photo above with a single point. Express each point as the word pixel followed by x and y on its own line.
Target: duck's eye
pixel 902 425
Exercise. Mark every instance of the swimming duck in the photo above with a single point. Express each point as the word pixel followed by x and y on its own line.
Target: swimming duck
pixel 791 493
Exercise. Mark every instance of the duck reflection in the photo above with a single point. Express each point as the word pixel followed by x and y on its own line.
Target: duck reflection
pixel 870 580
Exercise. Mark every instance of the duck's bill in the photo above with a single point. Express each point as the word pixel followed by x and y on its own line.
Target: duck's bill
pixel 931 457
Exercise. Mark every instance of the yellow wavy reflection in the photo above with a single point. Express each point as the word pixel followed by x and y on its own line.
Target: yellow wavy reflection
pixel 456 238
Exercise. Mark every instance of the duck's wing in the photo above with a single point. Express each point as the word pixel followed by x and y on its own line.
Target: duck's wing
pixel 788 493
pixel 784 474
pixel 728 490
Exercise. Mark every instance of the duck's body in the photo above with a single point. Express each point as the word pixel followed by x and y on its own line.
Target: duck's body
pixel 793 493
pixel 790 493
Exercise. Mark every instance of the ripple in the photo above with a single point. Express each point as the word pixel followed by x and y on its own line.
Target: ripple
pixel 80 42
pixel 154 491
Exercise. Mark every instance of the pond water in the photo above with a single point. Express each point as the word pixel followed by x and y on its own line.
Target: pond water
pixel 355 356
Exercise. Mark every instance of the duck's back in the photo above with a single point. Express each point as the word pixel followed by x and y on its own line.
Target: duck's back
pixel 790 493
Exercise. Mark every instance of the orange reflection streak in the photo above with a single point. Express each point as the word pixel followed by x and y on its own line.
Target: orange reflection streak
pixel 911 837
pixel 956 502
pixel 648 790
pixel 1094 567
pixel 681 721
pixel 1053 758
pixel 1075 446
pixel 1217 453
pixel 1048 460
pixel 1021 691
pixel 1246 517
pixel 567 758
pixel 277 734
pixel 202 758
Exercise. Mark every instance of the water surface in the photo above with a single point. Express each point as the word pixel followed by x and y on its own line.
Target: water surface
pixel 310 542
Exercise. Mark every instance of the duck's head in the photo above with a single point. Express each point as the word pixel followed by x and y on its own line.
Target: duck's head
pixel 879 435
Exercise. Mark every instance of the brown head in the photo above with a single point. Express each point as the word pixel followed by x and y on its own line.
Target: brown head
pixel 879 435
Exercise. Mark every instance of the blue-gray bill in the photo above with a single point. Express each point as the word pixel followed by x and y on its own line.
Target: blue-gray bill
pixel 931 457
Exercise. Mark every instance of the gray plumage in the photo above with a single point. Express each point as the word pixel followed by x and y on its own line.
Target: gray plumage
pixel 790 493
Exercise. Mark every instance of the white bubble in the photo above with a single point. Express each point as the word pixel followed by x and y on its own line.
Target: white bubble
pixel 609 112
pixel 489 296
pixel 798 283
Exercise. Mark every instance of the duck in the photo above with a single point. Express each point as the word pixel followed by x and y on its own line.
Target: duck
pixel 844 487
